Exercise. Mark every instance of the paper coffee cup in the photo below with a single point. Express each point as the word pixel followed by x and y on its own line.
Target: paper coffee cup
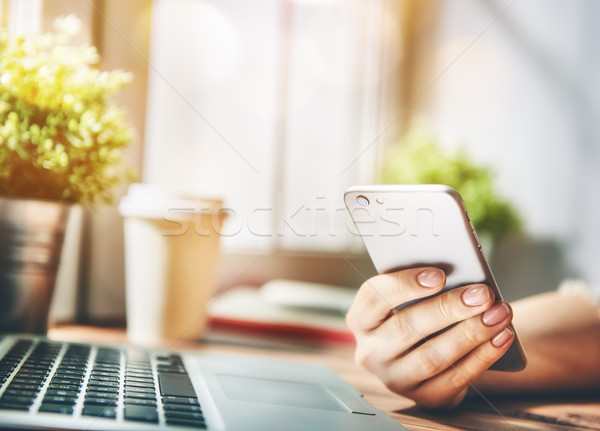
pixel 171 258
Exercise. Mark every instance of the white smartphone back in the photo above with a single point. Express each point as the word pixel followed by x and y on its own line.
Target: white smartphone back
pixel 408 226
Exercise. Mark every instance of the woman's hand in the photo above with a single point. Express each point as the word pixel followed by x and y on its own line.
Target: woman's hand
pixel 403 347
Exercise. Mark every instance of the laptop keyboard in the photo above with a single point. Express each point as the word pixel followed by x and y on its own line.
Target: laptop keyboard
pixel 83 380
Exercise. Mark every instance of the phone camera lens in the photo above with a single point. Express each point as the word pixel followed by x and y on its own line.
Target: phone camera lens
pixel 362 201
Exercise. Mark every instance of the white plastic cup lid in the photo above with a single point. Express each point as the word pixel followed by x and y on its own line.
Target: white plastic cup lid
pixel 154 201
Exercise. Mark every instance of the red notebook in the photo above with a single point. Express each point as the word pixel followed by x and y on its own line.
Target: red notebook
pixel 244 310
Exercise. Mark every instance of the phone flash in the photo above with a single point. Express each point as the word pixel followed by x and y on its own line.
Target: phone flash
pixel 379 200
pixel 362 201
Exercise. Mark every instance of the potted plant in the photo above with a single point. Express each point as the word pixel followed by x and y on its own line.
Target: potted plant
pixel 418 159
pixel 60 144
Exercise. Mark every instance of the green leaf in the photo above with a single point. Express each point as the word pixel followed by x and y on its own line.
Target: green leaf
pixel 418 159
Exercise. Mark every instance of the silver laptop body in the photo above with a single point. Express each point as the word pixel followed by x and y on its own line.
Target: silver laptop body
pixel 48 384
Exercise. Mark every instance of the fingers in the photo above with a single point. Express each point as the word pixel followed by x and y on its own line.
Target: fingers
pixel 438 355
pixel 378 296
pixel 420 351
pixel 450 387
pixel 414 323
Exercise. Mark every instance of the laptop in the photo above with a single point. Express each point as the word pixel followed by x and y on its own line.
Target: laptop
pixel 47 384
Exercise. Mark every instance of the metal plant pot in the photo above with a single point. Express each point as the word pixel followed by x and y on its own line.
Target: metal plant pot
pixel 31 239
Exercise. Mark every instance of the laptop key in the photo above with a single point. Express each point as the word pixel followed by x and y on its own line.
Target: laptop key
pixel 139 402
pixel 99 411
pixel 17 399
pixel 178 385
pixel 69 374
pixel 99 388
pixel 13 406
pixel 74 366
pixel 59 400
pixel 65 409
pixel 104 379
pixel 10 391
pixel 140 395
pixel 62 393
pixel 95 382
pixel 140 382
pixel 186 422
pixel 145 389
pixel 61 387
pixel 23 387
pixel 146 385
pixel 141 413
pixel 32 373
pixel 182 408
pixel 97 373
pixel 184 415
pixel 100 401
pixel 106 395
pixel 181 400
pixel 139 374
pixel 61 381
pixel 23 381
pixel 102 367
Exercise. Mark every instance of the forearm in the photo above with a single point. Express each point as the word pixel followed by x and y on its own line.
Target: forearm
pixel 561 336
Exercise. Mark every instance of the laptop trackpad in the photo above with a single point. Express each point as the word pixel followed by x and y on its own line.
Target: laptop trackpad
pixel 278 392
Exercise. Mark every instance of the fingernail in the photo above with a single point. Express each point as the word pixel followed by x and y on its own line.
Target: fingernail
pixel 498 313
pixel 503 337
pixel 432 277
pixel 476 295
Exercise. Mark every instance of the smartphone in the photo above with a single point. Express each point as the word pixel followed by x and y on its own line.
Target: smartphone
pixel 409 226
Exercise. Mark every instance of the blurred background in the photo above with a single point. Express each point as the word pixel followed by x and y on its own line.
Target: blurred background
pixel 277 106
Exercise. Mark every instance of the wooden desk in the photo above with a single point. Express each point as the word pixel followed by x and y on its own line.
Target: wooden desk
pixel 525 414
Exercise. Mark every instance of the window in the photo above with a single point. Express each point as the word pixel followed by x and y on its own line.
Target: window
pixel 271 105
